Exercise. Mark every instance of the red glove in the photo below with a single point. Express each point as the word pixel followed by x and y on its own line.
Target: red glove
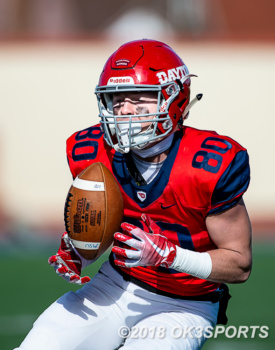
pixel 67 263
pixel 150 249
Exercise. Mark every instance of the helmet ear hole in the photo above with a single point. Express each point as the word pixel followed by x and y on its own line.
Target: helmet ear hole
pixel 182 102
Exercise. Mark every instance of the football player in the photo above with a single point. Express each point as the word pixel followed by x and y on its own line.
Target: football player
pixel 186 231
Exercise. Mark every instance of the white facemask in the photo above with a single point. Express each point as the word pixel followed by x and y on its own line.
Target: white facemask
pixel 124 134
pixel 136 136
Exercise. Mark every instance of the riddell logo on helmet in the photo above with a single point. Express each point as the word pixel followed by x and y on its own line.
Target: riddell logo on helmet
pixel 120 80
pixel 172 74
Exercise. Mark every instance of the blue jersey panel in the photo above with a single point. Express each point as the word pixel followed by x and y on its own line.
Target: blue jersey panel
pixel 153 190
pixel 233 182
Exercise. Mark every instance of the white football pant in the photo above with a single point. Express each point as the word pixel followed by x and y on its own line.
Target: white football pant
pixel 100 314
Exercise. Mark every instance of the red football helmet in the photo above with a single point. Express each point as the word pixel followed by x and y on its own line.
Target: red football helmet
pixel 143 65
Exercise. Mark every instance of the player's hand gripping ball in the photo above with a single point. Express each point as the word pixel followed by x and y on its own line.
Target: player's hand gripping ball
pixel 93 211
pixel 67 263
pixel 148 248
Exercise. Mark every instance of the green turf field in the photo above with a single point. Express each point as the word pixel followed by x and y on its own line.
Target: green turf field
pixel 29 285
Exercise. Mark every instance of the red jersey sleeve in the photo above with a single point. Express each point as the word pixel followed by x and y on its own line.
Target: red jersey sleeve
pixel 85 147
pixel 211 171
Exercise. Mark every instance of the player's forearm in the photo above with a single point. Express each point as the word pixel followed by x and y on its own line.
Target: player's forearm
pixel 230 266
pixel 219 265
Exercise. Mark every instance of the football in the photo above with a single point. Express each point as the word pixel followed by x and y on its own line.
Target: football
pixel 93 211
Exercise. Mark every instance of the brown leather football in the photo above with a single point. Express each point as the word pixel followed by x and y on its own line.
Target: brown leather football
pixel 93 211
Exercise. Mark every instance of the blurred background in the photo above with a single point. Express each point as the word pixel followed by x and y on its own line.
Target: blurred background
pixel 51 55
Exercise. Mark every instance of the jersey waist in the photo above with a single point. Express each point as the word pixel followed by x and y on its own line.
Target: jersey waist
pixel 202 290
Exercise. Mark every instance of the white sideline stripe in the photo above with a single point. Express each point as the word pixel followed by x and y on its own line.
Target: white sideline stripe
pixel 88 185
pixel 86 245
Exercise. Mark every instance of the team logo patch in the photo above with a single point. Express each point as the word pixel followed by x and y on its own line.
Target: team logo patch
pixel 141 196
